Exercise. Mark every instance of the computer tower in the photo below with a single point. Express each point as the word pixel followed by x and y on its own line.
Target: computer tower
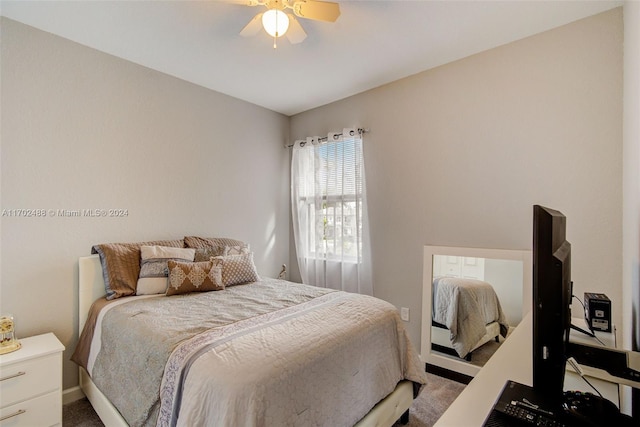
pixel 598 308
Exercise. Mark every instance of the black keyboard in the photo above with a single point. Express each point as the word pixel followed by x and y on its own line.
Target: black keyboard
pixel 531 416
pixel 626 373
pixel 520 405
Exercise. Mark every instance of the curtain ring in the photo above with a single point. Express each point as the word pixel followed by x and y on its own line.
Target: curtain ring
pixel 303 143
pixel 352 132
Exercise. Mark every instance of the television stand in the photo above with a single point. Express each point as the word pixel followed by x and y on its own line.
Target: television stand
pixel 599 358
pixel 608 364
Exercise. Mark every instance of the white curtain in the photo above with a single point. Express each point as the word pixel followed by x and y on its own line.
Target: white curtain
pixel 328 198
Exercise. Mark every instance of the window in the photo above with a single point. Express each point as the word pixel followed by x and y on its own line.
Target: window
pixel 328 202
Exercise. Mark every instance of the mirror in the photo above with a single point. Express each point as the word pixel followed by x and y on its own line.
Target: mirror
pixel 472 299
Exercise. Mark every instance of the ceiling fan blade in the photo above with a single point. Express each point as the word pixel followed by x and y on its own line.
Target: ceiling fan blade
pixel 317 10
pixel 296 33
pixel 244 2
pixel 252 28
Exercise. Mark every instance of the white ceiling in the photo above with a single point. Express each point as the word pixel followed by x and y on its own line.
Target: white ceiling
pixel 372 43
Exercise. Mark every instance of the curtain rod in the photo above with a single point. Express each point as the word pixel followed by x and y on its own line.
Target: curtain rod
pixel 326 138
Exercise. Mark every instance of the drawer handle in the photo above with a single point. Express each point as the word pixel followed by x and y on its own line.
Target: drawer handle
pixel 13 376
pixel 20 412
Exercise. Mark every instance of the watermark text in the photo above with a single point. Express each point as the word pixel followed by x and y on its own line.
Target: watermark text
pixel 65 213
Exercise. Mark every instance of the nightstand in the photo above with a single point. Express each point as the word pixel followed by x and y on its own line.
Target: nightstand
pixel 31 383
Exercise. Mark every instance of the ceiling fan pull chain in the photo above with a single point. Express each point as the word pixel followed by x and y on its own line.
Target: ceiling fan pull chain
pixel 275 35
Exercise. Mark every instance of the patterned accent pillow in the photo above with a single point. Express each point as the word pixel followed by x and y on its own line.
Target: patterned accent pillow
pixel 121 265
pixel 237 269
pixel 154 270
pixel 185 277
pixel 205 254
pixel 236 250
pixel 207 242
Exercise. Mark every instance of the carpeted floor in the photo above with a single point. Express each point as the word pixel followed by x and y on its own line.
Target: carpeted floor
pixel 80 414
pixel 434 399
pixel 483 354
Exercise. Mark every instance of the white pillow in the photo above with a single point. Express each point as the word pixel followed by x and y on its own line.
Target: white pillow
pixel 154 270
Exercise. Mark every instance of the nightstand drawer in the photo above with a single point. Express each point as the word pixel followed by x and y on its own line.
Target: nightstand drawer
pixel 29 378
pixel 43 411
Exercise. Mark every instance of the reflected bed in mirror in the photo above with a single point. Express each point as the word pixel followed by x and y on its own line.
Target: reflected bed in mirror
pixel 472 298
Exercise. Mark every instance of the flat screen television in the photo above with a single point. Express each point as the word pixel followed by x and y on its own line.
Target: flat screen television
pixel 552 291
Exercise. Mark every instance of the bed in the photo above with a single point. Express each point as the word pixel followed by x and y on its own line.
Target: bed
pixel 331 385
pixel 466 315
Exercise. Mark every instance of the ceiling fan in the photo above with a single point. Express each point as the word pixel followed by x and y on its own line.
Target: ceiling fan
pixel 277 22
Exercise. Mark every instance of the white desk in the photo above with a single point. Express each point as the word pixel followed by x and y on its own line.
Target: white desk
pixel 513 361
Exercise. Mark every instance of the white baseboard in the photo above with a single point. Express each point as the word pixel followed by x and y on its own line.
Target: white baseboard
pixel 72 394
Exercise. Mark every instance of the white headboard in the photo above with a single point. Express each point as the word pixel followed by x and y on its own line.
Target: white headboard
pixel 90 287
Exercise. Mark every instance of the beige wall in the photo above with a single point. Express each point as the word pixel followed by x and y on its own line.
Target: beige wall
pixel 457 156
pixel 631 185
pixel 631 156
pixel 85 130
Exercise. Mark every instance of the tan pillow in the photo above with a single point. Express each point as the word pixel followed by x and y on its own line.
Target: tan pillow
pixel 207 242
pixel 205 254
pixel 185 277
pixel 237 269
pixel 236 250
pixel 121 265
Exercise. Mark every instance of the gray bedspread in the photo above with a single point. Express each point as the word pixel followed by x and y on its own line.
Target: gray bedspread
pixel 266 353
pixel 465 307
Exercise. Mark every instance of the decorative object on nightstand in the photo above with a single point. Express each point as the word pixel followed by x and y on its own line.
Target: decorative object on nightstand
pixel 31 383
pixel 283 272
pixel 8 340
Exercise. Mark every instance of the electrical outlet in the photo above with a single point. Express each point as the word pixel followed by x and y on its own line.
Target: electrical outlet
pixel 404 314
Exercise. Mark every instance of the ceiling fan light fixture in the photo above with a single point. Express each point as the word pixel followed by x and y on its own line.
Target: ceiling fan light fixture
pixel 275 22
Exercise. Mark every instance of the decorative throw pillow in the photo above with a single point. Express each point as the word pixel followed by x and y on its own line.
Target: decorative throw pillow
pixel 237 269
pixel 205 254
pixel 207 242
pixel 185 277
pixel 154 270
pixel 121 265
pixel 236 250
